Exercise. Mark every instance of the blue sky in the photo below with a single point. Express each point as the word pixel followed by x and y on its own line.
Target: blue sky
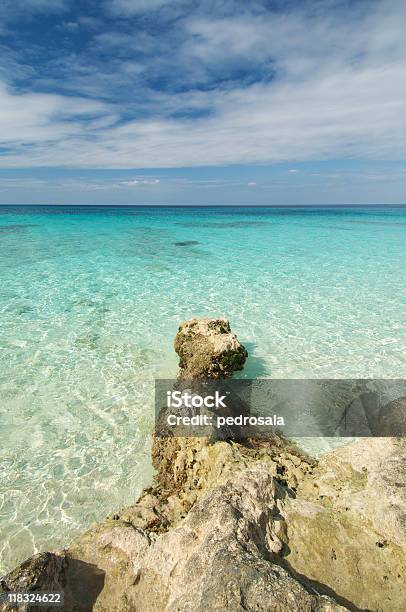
pixel 214 102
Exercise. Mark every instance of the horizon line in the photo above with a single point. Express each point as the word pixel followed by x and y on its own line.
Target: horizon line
pixel 204 205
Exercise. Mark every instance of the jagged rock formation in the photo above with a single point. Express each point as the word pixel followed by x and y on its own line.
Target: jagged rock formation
pixel 242 526
pixel 222 556
pixel 208 349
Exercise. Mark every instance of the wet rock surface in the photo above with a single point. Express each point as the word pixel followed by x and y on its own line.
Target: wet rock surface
pixel 253 525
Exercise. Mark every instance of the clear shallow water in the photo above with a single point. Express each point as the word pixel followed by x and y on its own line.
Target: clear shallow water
pixel 90 301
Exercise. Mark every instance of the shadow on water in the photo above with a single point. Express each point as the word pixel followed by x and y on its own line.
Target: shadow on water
pixel 255 367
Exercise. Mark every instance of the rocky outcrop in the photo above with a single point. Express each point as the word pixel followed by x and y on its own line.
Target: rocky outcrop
pixel 346 527
pixel 207 348
pixel 222 556
pixel 253 525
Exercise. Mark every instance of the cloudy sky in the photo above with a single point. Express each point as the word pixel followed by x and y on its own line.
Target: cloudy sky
pixel 203 102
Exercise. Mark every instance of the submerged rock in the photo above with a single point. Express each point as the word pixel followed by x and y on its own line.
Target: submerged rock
pixel 224 224
pixel 186 243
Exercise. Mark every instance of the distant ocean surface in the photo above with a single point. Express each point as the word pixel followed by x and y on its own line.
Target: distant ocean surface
pixel 90 301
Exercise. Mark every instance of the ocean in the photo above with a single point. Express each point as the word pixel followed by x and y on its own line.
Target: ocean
pixel 91 299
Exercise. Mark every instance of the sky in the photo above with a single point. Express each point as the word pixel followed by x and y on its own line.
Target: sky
pixel 202 102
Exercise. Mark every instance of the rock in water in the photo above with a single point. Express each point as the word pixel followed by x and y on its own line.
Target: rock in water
pixel 186 243
pixel 207 348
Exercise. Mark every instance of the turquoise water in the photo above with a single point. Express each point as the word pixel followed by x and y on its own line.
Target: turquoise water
pixel 90 301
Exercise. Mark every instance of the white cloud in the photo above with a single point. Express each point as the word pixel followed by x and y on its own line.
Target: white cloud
pixel 70 26
pixel 251 184
pixel 339 90
pixel 140 181
pixel 34 119
pixel 293 170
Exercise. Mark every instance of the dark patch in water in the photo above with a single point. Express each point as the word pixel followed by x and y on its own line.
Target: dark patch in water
pixel 20 308
pixel 12 229
pixel 186 243
pixel 319 227
pixel 155 232
pixel 225 224
pixel 89 340
pixel 389 223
